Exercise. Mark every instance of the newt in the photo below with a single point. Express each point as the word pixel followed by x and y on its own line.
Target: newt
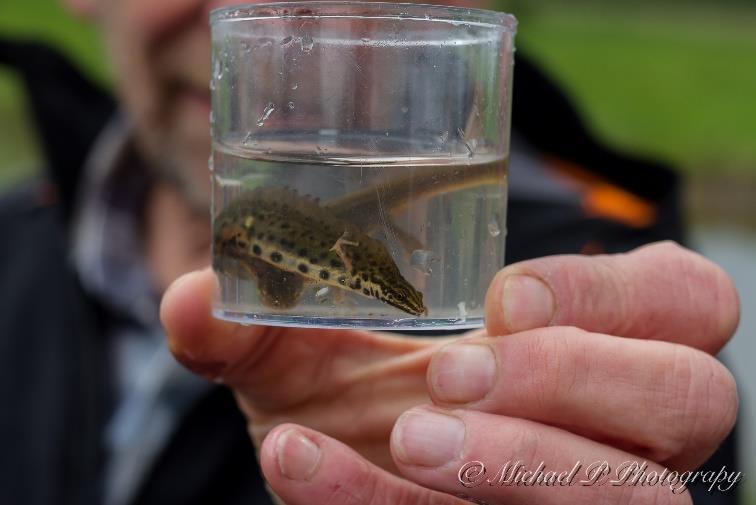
pixel 282 239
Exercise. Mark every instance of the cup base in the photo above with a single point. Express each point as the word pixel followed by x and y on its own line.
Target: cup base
pixel 362 323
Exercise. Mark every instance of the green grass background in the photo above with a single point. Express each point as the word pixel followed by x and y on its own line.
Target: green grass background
pixel 48 21
pixel 674 80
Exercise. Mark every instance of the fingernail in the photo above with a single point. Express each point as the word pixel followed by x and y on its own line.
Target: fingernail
pixel 297 455
pixel 528 303
pixel 429 439
pixel 462 373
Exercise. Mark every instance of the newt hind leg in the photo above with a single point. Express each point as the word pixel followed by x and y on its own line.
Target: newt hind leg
pixel 276 288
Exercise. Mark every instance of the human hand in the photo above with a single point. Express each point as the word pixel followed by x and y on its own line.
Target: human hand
pixel 352 385
pixel 556 395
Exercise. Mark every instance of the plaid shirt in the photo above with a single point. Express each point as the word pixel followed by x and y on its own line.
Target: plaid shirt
pixel 152 391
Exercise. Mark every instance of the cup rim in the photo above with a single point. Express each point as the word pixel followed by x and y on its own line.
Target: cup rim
pixel 366 10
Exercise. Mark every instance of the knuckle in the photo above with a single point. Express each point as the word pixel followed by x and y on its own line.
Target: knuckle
pixel 526 444
pixel 669 246
pixel 708 287
pixel 358 488
pixel 720 297
pixel 414 495
pixel 681 401
pixel 730 401
pixel 700 401
pixel 560 368
pixel 543 357
pixel 616 284
pixel 370 486
pixel 721 404
pixel 666 248
pixel 710 291
pixel 727 306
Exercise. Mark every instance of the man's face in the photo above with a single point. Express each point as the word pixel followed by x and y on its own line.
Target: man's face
pixel 160 53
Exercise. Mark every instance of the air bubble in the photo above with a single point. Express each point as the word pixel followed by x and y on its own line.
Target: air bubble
pixel 265 114
pixel 247 139
pixel 405 109
pixel 294 86
pixel 462 311
pixel 306 43
pixel 290 105
pixel 493 226
pixel 287 40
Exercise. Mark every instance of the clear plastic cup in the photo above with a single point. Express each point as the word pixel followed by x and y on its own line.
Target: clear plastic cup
pixel 359 162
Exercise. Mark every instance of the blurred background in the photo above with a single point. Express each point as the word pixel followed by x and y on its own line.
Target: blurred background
pixel 673 80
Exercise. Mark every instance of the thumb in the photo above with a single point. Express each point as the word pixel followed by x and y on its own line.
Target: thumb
pixel 272 367
pixel 661 292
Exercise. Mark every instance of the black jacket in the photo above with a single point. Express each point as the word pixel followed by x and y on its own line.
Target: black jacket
pixel 54 380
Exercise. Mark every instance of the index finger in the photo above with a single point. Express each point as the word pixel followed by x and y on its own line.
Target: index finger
pixel 657 292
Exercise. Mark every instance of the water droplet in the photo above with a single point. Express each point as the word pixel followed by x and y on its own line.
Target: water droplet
pixel 306 43
pixel 265 114
pixel 287 40
pixel 212 117
pixel 321 150
pixel 405 109
pixel 365 40
pixel 246 48
pixel 423 260
pixel 290 105
pixel 294 86
pixel 493 226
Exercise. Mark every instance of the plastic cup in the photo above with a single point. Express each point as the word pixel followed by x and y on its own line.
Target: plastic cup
pixel 359 162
